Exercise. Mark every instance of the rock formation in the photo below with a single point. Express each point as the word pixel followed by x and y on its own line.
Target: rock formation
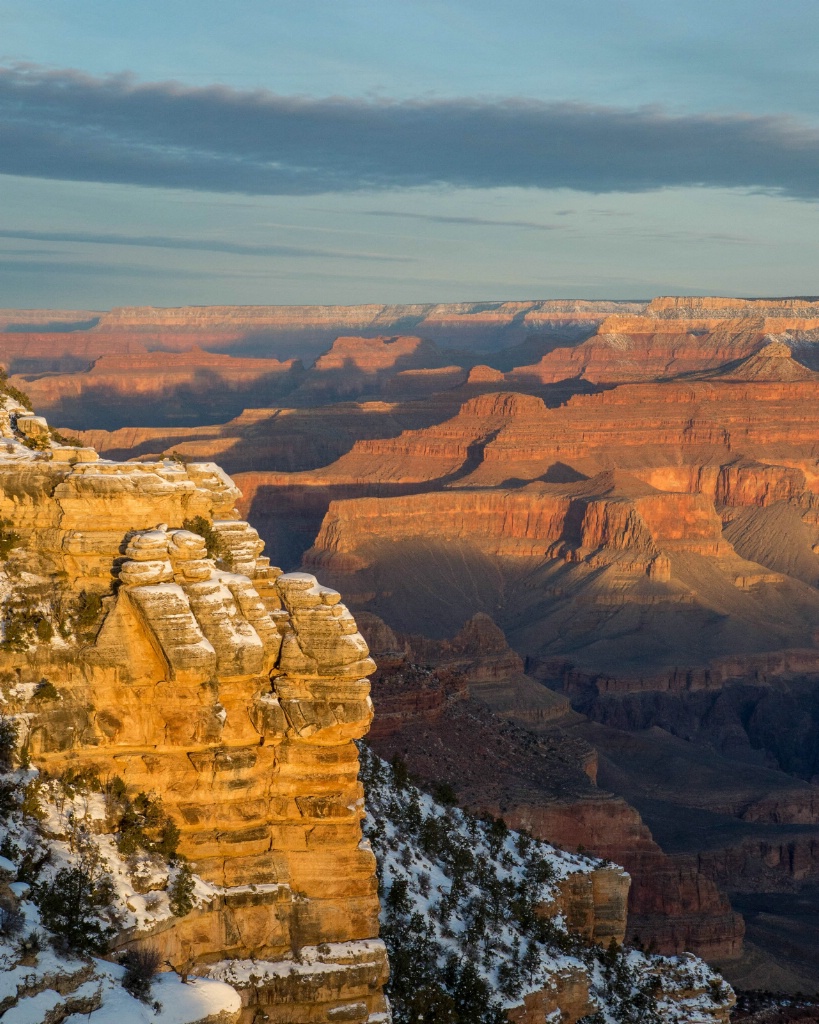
pixel 431 711
pixel 628 491
pixel 148 642
pixel 42 341
pixel 168 387
pixel 229 690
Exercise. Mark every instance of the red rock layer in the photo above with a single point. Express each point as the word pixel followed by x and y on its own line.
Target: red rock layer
pixel 641 348
pixel 426 717
pixel 154 373
pixel 671 904
pixel 522 524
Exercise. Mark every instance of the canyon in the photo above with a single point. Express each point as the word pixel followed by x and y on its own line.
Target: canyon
pixel 178 729
pixel 582 536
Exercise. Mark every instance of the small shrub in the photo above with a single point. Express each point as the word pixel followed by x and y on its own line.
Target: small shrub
pixel 397 901
pixel 8 538
pixel 8 799
pixel 400 772
pixel 153 900
pixel 11 920
pixel 168 842
pixel 81 780
pixel 28 946
pixel 30 864
pixel 26 619
pixel 524 844
pixel 46 690
pixel 8 742
pixel 44 631
pixel 140 966
pixel 213 542
pixel 31 806
pixel 85 614
pixel 38 443
pixel 144 825
pixel 114 790
pixel 445 794
pixel 12 391
pixel 69 442
pixel 498 832
pixel 181 892
pixel 70 906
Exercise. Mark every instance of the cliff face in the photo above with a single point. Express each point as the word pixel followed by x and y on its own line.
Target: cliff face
pixel 432 711
pixel 48 340
pixel 230 691
pixel 376 318
pixel 671 307
pixel 169 387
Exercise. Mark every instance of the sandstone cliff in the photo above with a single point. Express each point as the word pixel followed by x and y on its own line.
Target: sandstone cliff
pixel 229 691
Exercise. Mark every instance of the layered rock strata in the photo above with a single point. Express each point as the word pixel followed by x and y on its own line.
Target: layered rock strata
pixel 231 691
pixel 433 713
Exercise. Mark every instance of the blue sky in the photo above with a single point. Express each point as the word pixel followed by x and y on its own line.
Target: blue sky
pixel 326 151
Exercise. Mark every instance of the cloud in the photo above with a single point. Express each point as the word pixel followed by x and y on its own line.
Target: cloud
pixel 70 126
pixel 83 269
pixel 438 218
pixel 197 244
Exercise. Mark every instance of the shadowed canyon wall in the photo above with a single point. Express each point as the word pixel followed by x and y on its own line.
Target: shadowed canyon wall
pixel 628 490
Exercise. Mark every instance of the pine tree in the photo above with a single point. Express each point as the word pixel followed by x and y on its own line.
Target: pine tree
pixel 181 891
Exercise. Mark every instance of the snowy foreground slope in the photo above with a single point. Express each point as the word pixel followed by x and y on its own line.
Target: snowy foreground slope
pixel 466 907
pixel 65 891
pixel 471 917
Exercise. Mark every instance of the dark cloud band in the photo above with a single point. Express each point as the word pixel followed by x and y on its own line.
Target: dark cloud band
pixel 65 125
pixel 196 244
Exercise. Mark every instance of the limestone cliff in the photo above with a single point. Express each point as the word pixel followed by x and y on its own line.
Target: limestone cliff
pixel 229 691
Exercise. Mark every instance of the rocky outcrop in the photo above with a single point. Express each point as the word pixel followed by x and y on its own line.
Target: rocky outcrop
pixel 674 307
pixel 541 788
pixel 227 689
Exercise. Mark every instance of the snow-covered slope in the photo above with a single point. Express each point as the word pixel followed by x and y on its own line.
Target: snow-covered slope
pixel 60 865
pixel 472 917
pixel 472 924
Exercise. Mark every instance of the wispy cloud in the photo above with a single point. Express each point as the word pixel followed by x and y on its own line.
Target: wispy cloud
pixel 438 218
pixel 82 268
pixel 197 244
pixel 70 126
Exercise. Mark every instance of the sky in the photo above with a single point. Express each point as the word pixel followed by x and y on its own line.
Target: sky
pixel 175 152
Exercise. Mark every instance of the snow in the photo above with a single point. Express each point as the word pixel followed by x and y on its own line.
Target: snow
pixel 35 1009
pixel 447 904
pixel 181 1004
pixel 397 819
pixel 328 958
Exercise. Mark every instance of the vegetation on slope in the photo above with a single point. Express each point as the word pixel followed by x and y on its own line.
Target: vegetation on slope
pixel 465 921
